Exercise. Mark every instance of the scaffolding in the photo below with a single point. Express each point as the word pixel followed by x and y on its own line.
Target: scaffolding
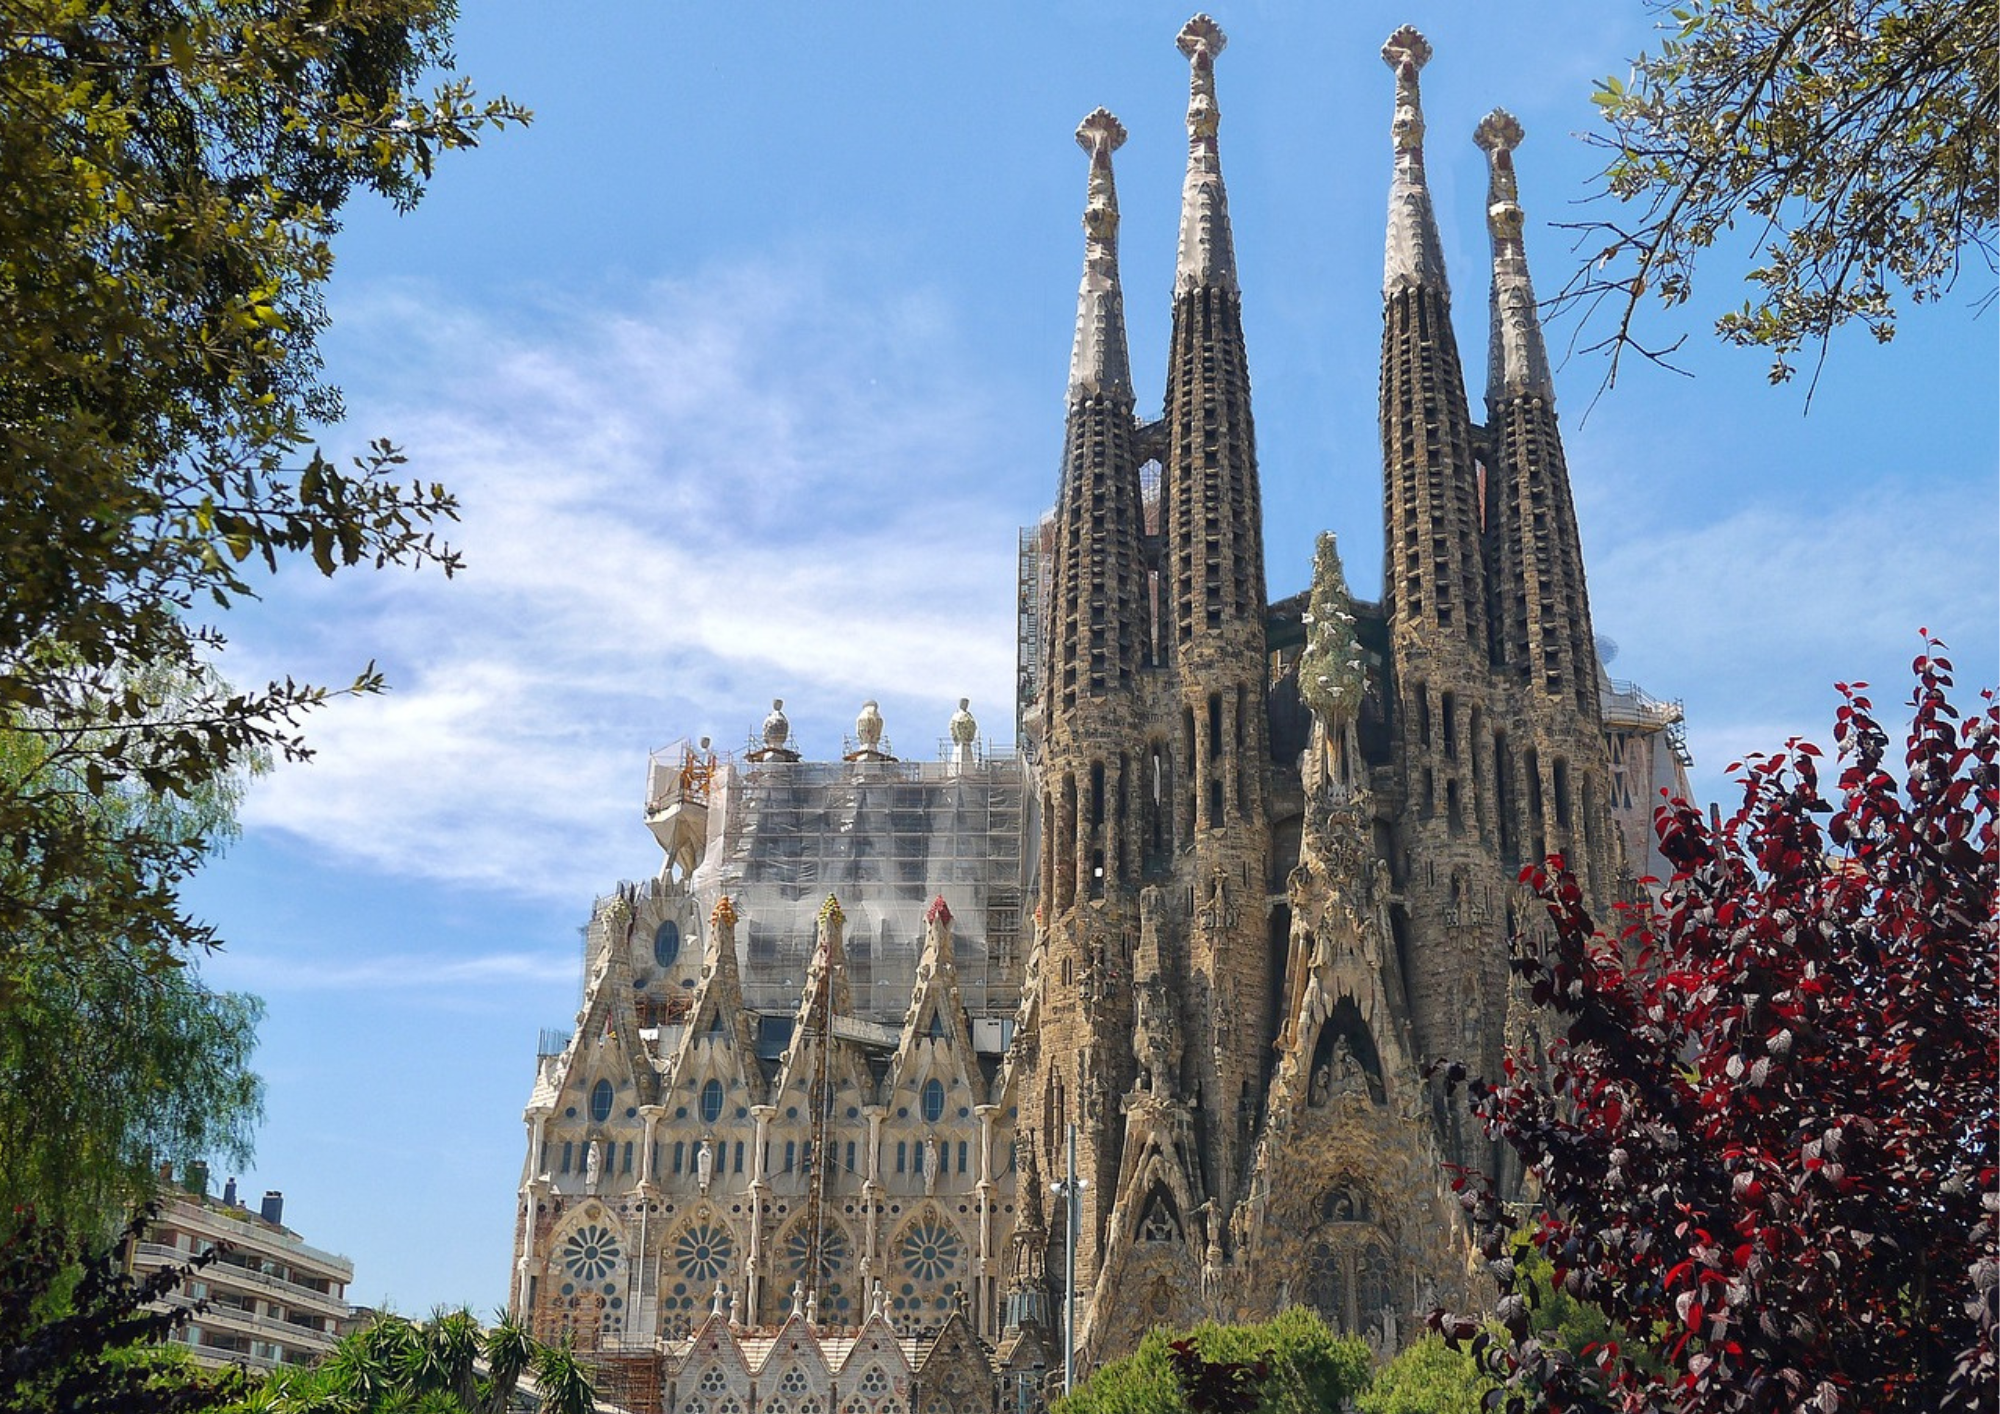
pixel 885 837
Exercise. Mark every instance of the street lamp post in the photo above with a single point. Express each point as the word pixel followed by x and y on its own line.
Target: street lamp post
pixel 1069 1189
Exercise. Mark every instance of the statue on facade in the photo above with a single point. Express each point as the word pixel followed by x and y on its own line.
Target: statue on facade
pixel 593 1165
pixel 930 1165
pixel 704 1164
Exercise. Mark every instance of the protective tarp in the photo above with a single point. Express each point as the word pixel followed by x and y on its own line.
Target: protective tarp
pixel 885 837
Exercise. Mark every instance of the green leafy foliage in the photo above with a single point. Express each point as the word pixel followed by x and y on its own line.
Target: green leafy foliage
pixel 1855 144
pixel 449 1364
pixel 77 1337
pixel 1310 1369
pixel 1764 1135
pixel 170 175
pixel 109 1063
pixel 1427 1378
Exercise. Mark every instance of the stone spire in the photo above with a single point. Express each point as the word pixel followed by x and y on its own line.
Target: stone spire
pixel 1207 254
pixel 1414 256
pixel 1099 363
pixel 1518 361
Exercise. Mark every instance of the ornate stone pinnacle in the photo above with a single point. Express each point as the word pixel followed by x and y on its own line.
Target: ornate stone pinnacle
pixel 1100 133
pixel 937 912
pixel 1498 131
pixel 1415 255
pixel 829 912
pixel 1407 46
pixel 1201 38
pixel 1498 134
pixel 724 913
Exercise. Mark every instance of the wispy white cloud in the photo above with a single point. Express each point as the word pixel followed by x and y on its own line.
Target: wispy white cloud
pixel 736 487
pixel 1754 612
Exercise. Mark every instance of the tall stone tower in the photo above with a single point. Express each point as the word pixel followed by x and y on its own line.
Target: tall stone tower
pixel 1098 636
pixel 1153 1002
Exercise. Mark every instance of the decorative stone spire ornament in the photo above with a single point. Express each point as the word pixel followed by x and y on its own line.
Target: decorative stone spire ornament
pixel 868 726
pixel 1415 255
pixel 776 735
pixel 1098 362
pixel 869 744
pixel 1207 252
pixel 1517 359
pixel 964 732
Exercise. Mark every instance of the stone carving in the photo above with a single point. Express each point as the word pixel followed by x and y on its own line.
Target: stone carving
pixel 593 1165
pixel 1415 255
pixel 1098 360
pixel 1207 250
pixel 704 1164
pixel 777 726
pixel 1517 359
pixel 868 726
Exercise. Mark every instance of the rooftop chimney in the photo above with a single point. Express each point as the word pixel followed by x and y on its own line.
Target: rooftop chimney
pixel 229 1193
pixel 273 1208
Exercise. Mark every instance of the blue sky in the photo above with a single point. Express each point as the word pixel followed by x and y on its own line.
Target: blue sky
pixel 747 360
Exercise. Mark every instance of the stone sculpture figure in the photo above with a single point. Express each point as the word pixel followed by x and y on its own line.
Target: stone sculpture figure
pixel 704 1164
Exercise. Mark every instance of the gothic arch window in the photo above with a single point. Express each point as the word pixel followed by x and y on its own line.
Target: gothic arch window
pixel 600 1101
pixel 1326 1285
pixel 1372 1288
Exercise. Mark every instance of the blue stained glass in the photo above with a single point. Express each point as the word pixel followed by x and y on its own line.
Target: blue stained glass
pixel 666 943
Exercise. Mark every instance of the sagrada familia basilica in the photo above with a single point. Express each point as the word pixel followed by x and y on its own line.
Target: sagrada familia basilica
pixel 909 1076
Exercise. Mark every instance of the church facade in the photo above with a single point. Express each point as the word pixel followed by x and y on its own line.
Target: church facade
pixel 892 1045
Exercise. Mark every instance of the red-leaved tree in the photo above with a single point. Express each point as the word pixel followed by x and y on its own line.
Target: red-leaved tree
pixel 1762 1138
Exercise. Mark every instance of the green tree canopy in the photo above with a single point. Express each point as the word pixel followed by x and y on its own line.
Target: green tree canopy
pixel 1854 143
pixel 1312 1369
pixel 1427 1378
pixel 449 1364
pixel 109 1063
pixel 170 174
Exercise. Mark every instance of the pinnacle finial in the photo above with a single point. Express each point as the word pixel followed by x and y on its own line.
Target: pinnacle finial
pixel 723 915
pixel 1406 47
pixel 1517 358
pixel 1415 254
pixel 1100 133
pixel 1207 252
pixel 1098 362
pixel 1201 39
pixel 1498 134
pixel 830 912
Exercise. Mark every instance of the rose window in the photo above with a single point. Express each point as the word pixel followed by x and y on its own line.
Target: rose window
pixel 875 1381
pixel 794 1382
pixel 591 1252
pixel 713 1380
pixel 702 1254
pixel 930 1251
